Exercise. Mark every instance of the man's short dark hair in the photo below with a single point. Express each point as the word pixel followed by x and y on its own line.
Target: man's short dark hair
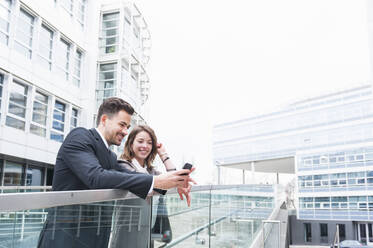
pixel 112 106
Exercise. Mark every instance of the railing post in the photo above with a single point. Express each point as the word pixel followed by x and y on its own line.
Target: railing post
pixel 209 229
pixel 79 216
pixel 99 221
pixel 130 221
pixel 54 222
pixel 23 225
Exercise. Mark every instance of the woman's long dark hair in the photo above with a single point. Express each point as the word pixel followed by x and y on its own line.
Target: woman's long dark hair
pixel 128 153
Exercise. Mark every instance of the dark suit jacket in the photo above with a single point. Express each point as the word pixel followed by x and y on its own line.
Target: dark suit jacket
pixel 83 162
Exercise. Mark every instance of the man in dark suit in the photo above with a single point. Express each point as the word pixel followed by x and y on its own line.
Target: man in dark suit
pixel 84 162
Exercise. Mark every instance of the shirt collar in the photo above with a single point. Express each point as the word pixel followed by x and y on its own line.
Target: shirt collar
pixel 102 137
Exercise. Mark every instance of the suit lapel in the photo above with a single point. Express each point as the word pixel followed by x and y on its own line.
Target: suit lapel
pixel 104 155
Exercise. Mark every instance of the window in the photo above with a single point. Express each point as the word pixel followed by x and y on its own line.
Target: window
pixel 342 231
pixel 17 106
pixel 307 232
pixel 49 177
pixel 369 176
pixel 45 47
pixel 323 233
pixel 39 114
pixel 74 119
pixel 23 37
pixel 356 178
pixel 62 59
pixel 68 5
pixel 109 33
pixel 81 11
pixel 58 126
pixel 34 176
pixel 77 68
pixel 4 21
pixel 13 174
pixel 1 89
pixel 107 79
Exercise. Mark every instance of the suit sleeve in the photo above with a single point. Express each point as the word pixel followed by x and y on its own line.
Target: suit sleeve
pixel 81 158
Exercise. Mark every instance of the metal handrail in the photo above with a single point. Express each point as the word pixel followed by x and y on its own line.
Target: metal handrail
pixel 25 187
pixel 39 200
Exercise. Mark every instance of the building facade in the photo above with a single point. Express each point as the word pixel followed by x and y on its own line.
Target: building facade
pixel 58 60
pixel 327 141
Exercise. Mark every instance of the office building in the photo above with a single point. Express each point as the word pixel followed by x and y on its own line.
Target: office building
pixel 58 60
pixel 327 143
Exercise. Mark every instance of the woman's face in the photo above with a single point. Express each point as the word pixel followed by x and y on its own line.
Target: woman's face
pixel 142 146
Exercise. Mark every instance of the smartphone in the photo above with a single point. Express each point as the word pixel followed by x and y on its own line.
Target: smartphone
pixel 188 167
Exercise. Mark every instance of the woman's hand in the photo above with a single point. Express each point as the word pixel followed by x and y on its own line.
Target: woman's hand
pixel 161 150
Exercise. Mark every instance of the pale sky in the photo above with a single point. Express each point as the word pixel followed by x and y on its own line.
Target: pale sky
pixel 215 61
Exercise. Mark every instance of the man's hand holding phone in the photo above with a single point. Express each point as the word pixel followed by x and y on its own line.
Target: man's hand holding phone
pixel 186 189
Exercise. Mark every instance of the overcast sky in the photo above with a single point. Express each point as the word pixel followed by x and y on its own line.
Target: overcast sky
pixel 215 61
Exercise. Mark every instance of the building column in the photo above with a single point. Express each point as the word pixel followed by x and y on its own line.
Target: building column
pixel 243 177
pixel 252 172
pixel 218 165
pixel 277 178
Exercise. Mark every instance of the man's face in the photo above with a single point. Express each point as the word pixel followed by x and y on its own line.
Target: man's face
pixel 116 127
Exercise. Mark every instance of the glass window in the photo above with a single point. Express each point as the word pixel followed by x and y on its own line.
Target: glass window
pixel 341 159
pixel 58 126
pixel 109 33
pixel 23 37
pixel 49 177
pixel 107 80
pixel 359 157
pixel 361 181
pixel 342 231
pixel 4 21
pixel 13 173
pixel 74 119
pixel 62 59
pixel 307 232
pixel 77 68
pixel 323 230
pixel 81 11
pixel 45 47
pixel 39 114
pixel 34 176
pixel 17 106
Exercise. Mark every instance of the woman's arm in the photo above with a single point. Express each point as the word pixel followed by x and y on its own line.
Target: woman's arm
pixel 165 158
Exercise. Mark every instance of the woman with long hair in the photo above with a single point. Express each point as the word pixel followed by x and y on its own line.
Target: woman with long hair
pixel 140 150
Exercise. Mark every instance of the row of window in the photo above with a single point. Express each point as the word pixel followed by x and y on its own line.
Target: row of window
pixel 109 34
pixel 30 109
pixel 76 8
pixel 107 80
pixel 350 156
pixel 54 52
pixel 24 174
pixel 337 202
pixel 288 145
pixel 323 232
pixel 298 121
pixel 336 179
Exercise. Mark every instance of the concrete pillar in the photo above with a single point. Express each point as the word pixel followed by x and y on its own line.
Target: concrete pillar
pixel 277 178
pixel 243 177
pixel 252 172
pixel 218 172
